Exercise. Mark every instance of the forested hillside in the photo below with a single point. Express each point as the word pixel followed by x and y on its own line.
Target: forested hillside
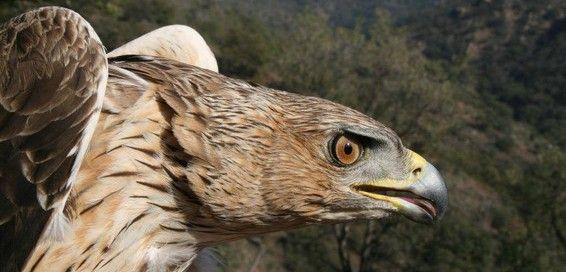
pixel 477 87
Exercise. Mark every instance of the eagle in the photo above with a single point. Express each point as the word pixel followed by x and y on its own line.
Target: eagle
pixel 139 159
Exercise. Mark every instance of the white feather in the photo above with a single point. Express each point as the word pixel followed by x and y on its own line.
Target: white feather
pixel 163 258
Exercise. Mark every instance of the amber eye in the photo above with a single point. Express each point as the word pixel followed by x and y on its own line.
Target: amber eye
pixel 346 150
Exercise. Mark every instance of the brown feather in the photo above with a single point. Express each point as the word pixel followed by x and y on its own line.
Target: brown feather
pixel 52 67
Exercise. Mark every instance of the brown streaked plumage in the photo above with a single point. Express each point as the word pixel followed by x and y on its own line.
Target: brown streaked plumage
pixel 181 157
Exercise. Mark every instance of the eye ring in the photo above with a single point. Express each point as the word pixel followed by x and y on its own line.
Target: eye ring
pixel 345 150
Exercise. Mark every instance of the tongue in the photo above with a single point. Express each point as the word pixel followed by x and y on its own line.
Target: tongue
pixel 425 205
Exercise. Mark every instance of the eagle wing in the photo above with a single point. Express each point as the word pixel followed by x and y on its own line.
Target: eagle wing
pixel 53 73
pixel 176 42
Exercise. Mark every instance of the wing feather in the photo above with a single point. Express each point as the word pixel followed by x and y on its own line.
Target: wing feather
pixel 176 42
pixel 53 73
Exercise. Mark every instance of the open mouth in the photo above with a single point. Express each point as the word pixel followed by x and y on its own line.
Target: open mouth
pixel 389 194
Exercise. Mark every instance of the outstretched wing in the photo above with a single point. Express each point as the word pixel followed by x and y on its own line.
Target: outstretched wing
pixel 53 73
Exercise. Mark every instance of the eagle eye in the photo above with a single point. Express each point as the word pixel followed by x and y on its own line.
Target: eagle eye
pixel 345 150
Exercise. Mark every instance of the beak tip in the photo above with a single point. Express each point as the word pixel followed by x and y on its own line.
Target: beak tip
pixel 436 191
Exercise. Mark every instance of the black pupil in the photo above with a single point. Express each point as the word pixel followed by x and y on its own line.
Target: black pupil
pixel 348 148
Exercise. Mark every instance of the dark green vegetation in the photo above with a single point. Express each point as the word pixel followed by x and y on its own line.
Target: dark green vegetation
pixel 477 87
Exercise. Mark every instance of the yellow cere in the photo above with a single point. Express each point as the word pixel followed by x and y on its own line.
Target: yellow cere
pixel 417 160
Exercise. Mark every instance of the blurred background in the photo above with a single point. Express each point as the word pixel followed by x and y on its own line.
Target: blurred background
pixel 477 87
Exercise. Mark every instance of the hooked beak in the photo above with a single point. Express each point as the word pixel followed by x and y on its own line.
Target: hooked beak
pixel 422 197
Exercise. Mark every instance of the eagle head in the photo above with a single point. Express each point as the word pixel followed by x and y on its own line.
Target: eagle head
pixel 265 160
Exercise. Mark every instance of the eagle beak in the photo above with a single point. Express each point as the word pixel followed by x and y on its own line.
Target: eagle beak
pixel 422 197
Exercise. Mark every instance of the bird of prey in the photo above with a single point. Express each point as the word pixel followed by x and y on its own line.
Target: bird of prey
pixel 139 162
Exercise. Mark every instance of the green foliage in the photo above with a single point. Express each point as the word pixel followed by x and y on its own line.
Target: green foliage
pixel 476 86
pixel 515 51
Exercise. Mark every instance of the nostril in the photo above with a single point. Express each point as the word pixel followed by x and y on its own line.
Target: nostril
pixel 417 171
